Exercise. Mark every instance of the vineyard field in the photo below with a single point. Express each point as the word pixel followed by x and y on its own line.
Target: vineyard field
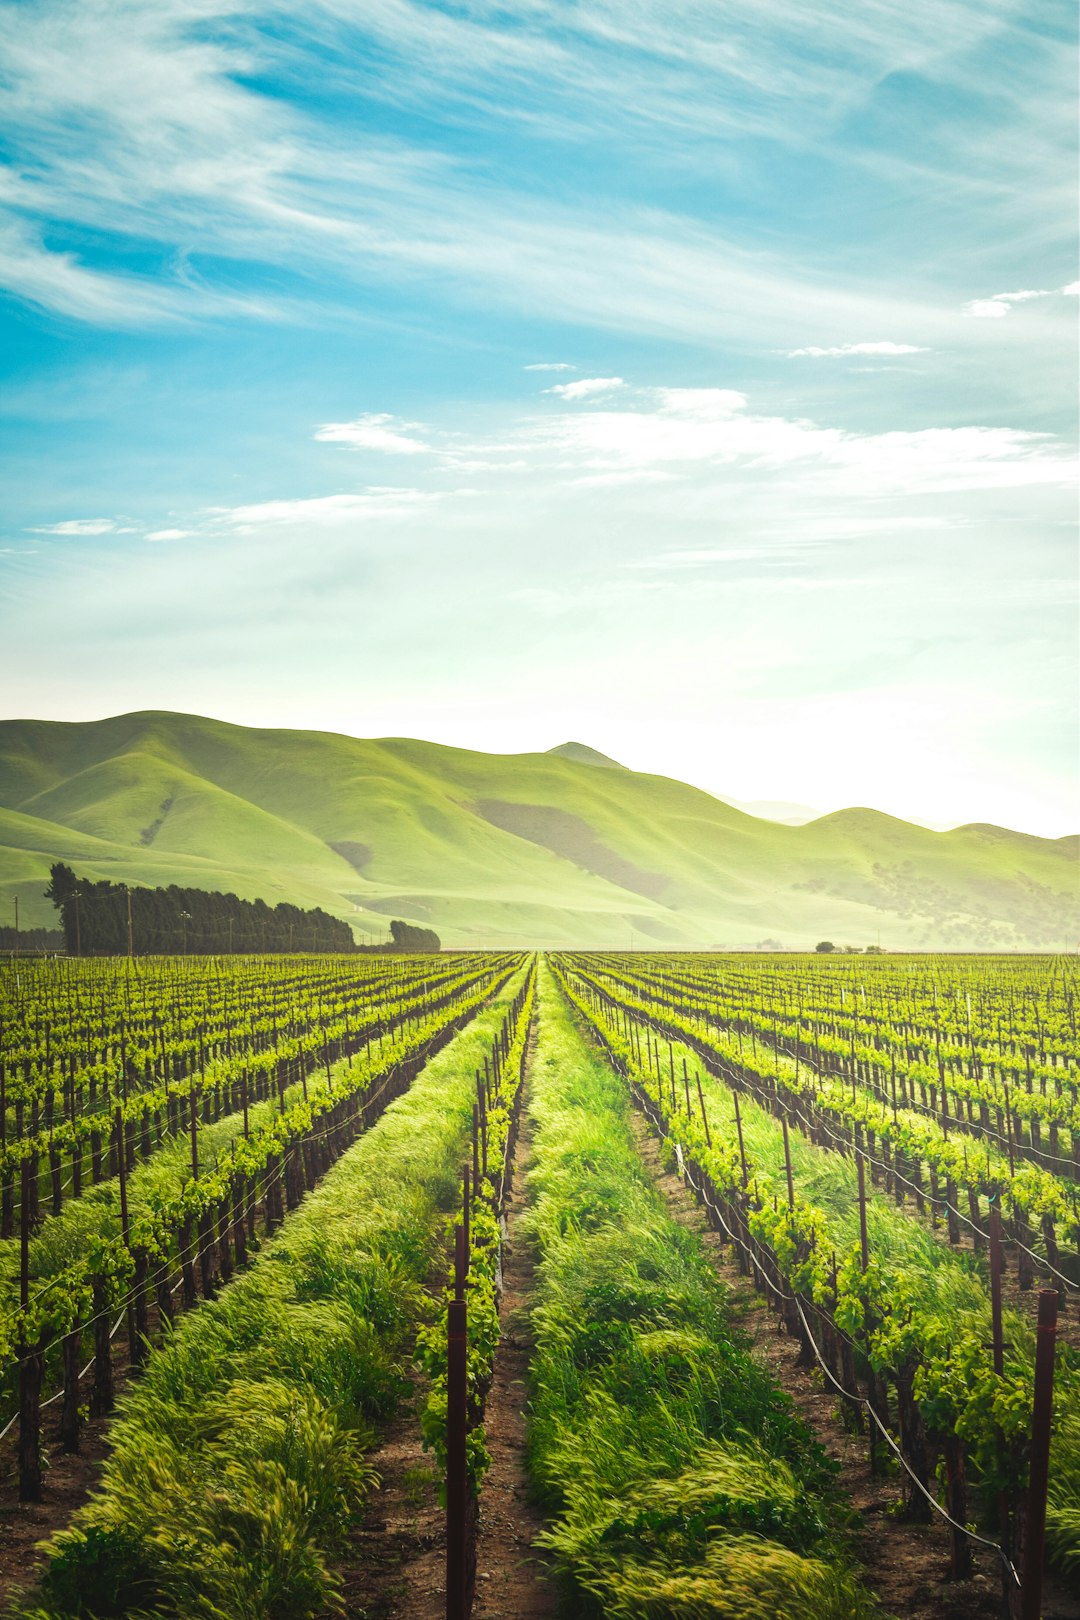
pixel 255 1219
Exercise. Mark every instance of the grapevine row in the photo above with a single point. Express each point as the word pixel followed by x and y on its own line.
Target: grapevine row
pixel 926 1347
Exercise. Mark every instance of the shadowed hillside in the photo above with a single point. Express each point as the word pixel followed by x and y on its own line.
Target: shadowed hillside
pixel 557 848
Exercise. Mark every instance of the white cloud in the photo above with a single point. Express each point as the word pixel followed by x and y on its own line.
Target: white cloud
pixel 57 280
pixel 701 402
pixel 995 307
pixel 168 534
pixel 843 349
pixel 79 526
pixel 374 432
pixel 323 511
pixel 712 426
pixel 697 443
pixel 586 387
pixel 550 365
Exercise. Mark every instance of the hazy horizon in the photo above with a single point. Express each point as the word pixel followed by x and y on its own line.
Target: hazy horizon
pixel 760 807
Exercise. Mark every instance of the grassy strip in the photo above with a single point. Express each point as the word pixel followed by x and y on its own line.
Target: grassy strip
pixel 679 1480
pixel 238 1461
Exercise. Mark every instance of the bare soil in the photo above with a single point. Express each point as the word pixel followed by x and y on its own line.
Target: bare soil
pixel 70 1479
pixel 511 1581
pixel 396 1561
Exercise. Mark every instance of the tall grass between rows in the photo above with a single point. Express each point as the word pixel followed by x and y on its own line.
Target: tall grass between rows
pixel 679 1482
pixel 949 1285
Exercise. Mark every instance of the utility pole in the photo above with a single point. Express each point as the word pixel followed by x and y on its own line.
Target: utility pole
pixel 16 914
pixel 131 946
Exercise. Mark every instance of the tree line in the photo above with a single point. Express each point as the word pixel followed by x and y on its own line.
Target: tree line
pixel 407 937
pixel 31 939
pixel 113 919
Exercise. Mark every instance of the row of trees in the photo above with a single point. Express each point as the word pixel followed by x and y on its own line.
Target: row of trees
pixel 31 939
pixel 109 919
pixel 407 937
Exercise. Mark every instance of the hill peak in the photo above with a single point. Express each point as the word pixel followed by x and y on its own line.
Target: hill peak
pixel 584 755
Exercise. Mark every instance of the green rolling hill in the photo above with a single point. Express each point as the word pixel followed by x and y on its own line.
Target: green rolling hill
pixel 562 848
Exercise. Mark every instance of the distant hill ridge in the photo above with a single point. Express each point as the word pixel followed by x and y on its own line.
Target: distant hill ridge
pixel 586 756
pixel 539 849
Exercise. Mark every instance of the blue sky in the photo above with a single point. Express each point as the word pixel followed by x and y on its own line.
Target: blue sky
pixel 695 380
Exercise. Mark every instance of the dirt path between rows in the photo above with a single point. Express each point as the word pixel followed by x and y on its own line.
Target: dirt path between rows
pixel 906 1565
pixel 70 1480
pixel 397 1558
pixel 511 1582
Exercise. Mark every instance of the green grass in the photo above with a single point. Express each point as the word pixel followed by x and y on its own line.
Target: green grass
pixel 678 1479
pixel 237 1462
pixel 539 849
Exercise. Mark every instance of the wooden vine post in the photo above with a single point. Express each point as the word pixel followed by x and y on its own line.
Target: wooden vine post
pixel 742 1145
pixel 456 1433
pixel 998 1352
pixel 704 1115
pixel 876 1402
pixel 30 1368
pixel 1045 1343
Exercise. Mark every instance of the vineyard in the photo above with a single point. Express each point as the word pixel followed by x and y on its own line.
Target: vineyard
pixel 256 1220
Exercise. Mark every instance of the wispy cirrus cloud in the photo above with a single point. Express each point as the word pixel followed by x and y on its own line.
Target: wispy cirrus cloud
pixel 550 365
pixel 174 133
pixel 371 503
pixel 842 350
pixel 324 511
pixel 60 281
pixel 75 527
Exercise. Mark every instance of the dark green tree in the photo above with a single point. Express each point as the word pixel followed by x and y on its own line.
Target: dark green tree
pixel 407 937
pixel 198 921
